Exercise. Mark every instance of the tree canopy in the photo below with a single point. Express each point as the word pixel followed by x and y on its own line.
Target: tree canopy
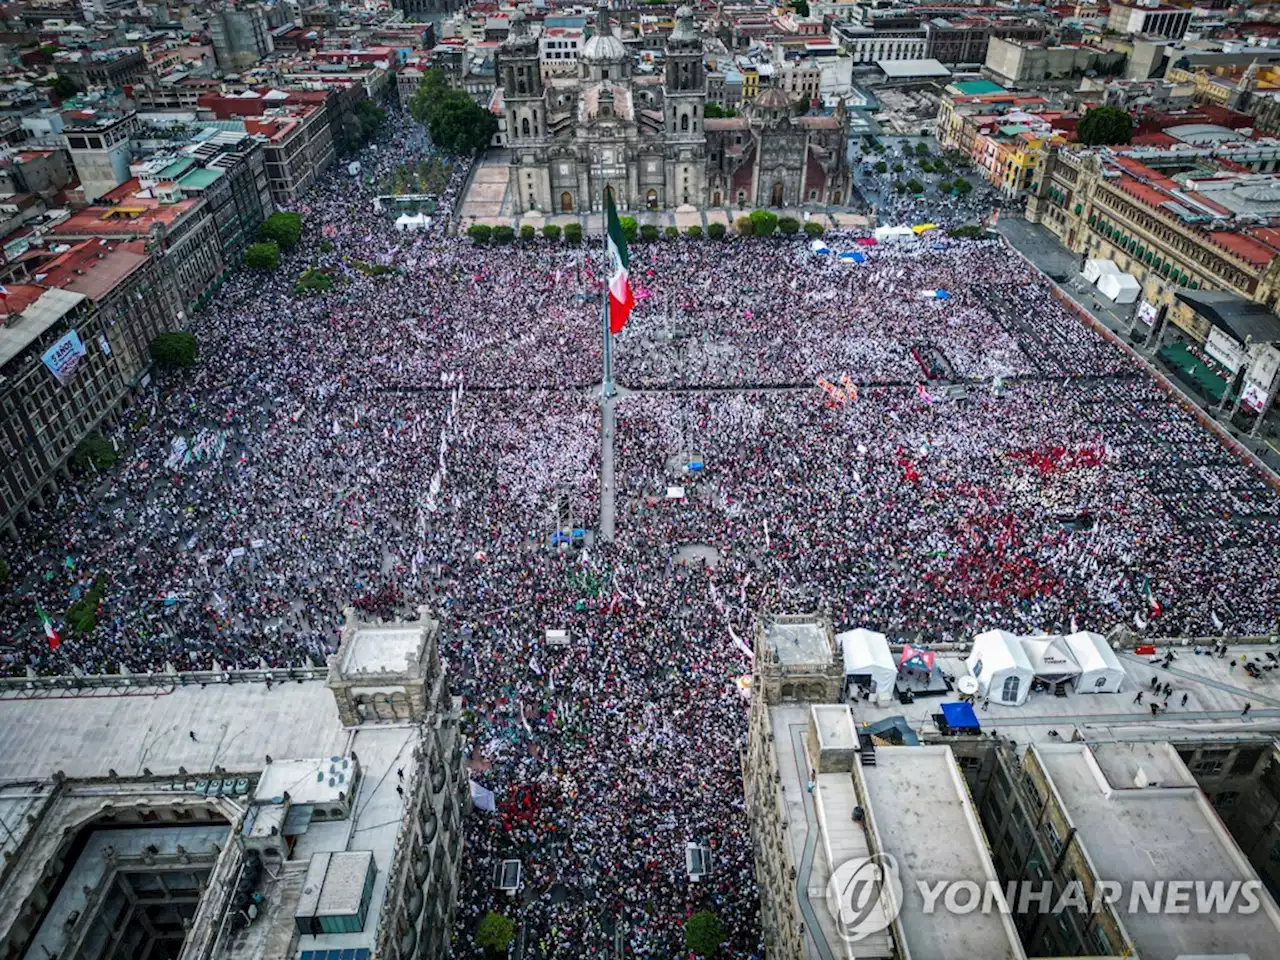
pixel 455 122
pixel 281 228
pixel 1105 125
pixel 703 933
pixel 175 349
pixel 262 256
pixel 495 933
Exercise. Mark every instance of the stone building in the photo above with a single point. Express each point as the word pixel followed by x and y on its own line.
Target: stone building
pixel 647 136
pixel 386 672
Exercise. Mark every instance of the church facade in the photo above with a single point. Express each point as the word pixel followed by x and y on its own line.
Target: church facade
pixel 647 136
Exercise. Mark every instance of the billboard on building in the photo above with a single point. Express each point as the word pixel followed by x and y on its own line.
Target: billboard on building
pixel 1147 312
pixel 64 357
pixel 1224 349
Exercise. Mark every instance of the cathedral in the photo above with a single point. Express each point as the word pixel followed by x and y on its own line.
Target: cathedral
pixel 648 138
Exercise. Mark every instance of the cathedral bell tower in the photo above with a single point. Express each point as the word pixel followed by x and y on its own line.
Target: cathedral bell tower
pixel 524 107
pixel 684 105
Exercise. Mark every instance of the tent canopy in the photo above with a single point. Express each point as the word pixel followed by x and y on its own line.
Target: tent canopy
pixel 866 653
pixel 1119 287
pixel 1100 669
pixel 1000 666
pixel 960 716
pixel 1050 658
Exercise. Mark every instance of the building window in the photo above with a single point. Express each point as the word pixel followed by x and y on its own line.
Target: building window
pixel 1226 800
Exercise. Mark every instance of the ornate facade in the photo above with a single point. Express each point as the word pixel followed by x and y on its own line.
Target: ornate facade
pixel 648 138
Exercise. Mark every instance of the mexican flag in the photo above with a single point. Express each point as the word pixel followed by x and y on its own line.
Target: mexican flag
pixel 621 299
pixel 1153 602
pixel 49 632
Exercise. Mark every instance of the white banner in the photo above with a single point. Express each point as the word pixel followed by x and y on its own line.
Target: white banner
pixel 482 798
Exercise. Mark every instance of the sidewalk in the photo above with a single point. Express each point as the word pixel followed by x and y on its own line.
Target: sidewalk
pixel 1043 249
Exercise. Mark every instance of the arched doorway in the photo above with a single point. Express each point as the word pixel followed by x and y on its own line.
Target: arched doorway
pixel 566 202
pixel 776 199
pixel 836 198
pixel 651 200
pixel 715 199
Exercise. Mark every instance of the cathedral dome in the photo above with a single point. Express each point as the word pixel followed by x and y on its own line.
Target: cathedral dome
pixel 604 48
pixel 773 98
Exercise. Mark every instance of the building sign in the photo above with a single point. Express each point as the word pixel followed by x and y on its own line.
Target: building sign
pixel 64 356
pixel 1147 312
pixel 1253 396
pixel 1224 349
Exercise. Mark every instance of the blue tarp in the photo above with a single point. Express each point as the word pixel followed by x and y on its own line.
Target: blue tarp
pixel 960 716
pixel 695 466
pixel 821 250
pixel 941 295
pixel 854 256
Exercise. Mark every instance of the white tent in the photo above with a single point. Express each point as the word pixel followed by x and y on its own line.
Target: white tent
pixel 1051 658
pixel 1001 668
pixel 867 658
pixel 408 221
pixel 1098 267
pixel 1119 287
pixel 894 234
pixel 1100 670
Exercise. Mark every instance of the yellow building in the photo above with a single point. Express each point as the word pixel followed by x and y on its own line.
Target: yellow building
pixel 750 83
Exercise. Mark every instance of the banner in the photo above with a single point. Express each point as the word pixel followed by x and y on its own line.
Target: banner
pixel 64 356
pixel 1253 397
pixel 482 798
pixel 1147 312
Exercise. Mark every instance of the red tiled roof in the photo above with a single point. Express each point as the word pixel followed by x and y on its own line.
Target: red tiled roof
pixel 94 268
pixel 21 296
pixel 1243 246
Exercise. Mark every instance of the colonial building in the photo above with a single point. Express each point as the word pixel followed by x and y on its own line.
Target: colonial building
pixel 647 137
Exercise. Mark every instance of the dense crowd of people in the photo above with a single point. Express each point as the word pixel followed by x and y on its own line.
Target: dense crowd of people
pixel 419 438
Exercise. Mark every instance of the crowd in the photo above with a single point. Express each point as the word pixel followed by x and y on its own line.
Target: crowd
pixel 418 438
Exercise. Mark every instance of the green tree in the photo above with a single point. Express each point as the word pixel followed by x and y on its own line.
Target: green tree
pixel 312 282
pixel 281 228
pixel 898 168
pixel 455 121
pixel 174 349
pixel 528 232
pixel 925 165
pixel 96 451
pixel 64 87
pixel 703 933
pixel 966 232
pixel 789 226
pixel 630 228
pixel 480 232
pixel 961 186
pixel 503 234
pixel 82 615
pixel 899 187
pixel 713 111
pixel 801 7
pixel 922 149
pixel 672 232
pixel 915 186
pixel 262 256
pixel 694 231
pixel 813 230
pixel 551 231
pixel 495 933
pixel 1105 125
pixel 742 226
pixel 648 233
pixel 800 107
pixel 941 166
pixel 944 186
pixel 717 230
pixel 573 232
pixel 326 246
pixel 881 167
pixel 763 223
pixel 431 90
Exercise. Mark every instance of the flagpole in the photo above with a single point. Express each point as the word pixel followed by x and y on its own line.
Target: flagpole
pixel 607 388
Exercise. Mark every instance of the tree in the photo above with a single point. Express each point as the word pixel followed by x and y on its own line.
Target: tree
pixel 694 231
pixel 503 234
pixel 262 256
pixel 95 451
pixel 480 232
pixel 629 228
pixel 944 186
pixel 915 186
pixel 962 186
pixel 82 615
pixel 573 232
pixel 763 223
pixel 455 121
pixel 713 111
pixel 495 933
pixel 648 233
pixel 175 349
pixel 881 167
pixel 922 149
pixel 671 232
pixel 898 167
pixel 801 7
pixel 743 226
pixel 899 187
pixel 789 226
pixel 528 233
pixel 813 230
pixel 311 282
pixel 551 231
pixel 1104 125
pixel 800 107
pixel 703 933
pixel 716 231
pixel 281 228
pixel 64 87
pixel 967 232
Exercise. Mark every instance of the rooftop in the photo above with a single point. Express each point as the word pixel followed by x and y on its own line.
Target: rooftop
pixel 39 310
pixel 796 643
pixel 383 649
pixel 1143 834
pixel 93 268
